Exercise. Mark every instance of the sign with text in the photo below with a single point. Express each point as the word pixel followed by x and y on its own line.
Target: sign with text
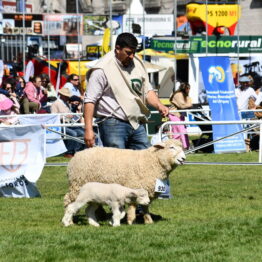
pixel 220 90
pixel 198 44
pixel 12 24
pixel 54 144
pixel 22 158
pixel 63 24
pixel 158 24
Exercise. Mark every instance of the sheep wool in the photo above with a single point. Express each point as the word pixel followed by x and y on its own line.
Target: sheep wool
pixel 131 168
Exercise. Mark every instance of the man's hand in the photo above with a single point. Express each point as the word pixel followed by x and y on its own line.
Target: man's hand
pixel 163 110
pixel 89 138
pixel 154 101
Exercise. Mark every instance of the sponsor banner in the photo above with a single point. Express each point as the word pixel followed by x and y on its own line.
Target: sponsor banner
pixel 22 158
pixel 182 46
pixel 13 24
pixel 54 144
pixel 198 44
pixel 220 90
pixel 149 25
pixel 96 24
pixel 63 24
pixel 226 44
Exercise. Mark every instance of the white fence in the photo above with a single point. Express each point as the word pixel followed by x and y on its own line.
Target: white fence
pixel 242 122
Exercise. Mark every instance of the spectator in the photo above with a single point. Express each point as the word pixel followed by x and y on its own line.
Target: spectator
pixel 49 93
pixel 117 92
pixel 30 68
pixel 33 94
pixel 180 100
pixel 61 105
pixel 246 97
pixel 73 85
pixel 20 86
pixel 7 108
pixel 8 89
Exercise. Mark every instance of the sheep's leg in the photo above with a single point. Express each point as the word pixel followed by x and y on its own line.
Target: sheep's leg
pixel 131 214
pixel 116 215
pixel 123 212
pixel 147 217
pixel 90 213
pixel 70 211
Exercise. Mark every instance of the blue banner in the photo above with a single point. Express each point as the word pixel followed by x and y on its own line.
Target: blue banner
pixel 220 90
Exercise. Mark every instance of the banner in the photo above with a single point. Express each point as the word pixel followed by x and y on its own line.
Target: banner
pixel 22 158
pixel 63 24
pixel 149 25
pixel 54 144
pixel 220 90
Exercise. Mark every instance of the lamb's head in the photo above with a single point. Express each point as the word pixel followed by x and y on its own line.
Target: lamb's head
pixel 138 196
pixel 170 152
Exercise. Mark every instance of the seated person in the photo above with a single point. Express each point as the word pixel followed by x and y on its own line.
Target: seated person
pixel 8 108
pixel 61 105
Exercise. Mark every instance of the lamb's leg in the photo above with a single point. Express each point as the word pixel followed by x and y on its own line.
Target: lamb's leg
pixel 90 213
pixel 116 214
pixel 70 211
pixel 147 217
pixel 131 214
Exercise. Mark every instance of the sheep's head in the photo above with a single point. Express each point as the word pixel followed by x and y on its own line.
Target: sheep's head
pixel 138 196
pixel 171 152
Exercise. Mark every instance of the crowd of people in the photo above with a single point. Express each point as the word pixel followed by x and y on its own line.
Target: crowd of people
pixel 117 92
pixel 38 96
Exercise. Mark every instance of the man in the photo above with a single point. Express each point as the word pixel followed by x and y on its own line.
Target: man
pixel 61 105
pixel 73 85
pixel 244 94
pixel 117 90
pixel 33 95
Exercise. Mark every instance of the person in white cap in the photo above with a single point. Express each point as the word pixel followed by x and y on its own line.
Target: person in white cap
pixel 244 93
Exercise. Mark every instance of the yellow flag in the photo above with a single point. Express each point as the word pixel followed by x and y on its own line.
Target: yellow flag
pixel 106 41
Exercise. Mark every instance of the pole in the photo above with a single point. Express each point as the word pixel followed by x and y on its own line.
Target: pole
pixel 24 38
pixel 78 35
pixel 175 42
pixel 111 18
pixel 206 28
pixel 48 40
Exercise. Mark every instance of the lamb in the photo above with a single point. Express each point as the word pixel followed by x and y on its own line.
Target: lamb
pixel 130 168
pixel 114 195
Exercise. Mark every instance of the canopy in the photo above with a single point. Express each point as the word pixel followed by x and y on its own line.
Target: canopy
pixel 152 52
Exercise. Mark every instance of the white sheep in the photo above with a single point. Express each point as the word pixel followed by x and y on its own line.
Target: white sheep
pixel 130 168
pixel 114 195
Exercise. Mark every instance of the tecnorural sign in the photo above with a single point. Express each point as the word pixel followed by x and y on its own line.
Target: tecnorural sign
pixel 215 45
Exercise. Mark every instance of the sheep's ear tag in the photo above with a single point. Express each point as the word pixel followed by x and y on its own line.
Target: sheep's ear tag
pixel 159 145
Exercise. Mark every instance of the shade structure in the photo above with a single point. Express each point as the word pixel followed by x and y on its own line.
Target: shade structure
pixel 152 52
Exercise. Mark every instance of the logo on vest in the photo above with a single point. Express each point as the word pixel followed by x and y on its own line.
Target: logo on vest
pixel 137 86
pixel 13 154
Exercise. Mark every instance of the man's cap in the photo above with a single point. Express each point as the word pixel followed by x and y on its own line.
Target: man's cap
pixel 65 92
pixel 5 102
pixel 244 79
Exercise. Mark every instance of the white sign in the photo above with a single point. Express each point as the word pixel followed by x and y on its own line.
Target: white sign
pixel 22 158
pixel 160 186
pixel 54 145
pixel 152 24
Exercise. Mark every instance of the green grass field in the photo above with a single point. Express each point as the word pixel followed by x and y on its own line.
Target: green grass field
pixel 215 215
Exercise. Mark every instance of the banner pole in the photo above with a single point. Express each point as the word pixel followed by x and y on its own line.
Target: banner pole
pixel 68 136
